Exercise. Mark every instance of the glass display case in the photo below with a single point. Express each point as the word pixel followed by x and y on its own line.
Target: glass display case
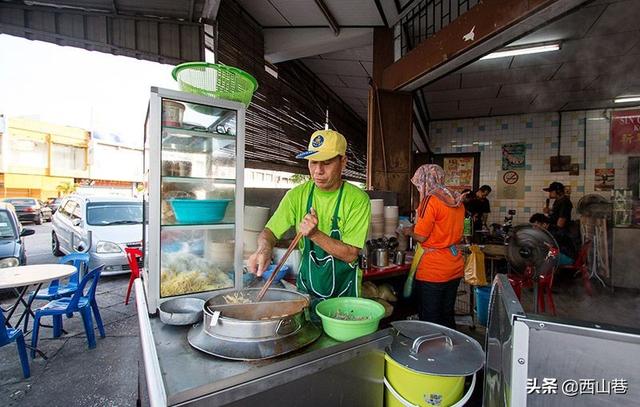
pixel 193 197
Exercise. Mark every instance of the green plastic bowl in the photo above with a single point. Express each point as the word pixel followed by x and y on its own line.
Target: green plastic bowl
pixel 346 330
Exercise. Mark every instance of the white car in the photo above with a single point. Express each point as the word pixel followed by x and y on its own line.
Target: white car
pixel 103 226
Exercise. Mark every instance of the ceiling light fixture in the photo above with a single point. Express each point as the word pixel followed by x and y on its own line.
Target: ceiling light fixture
pixel 626 99
pixel 524 50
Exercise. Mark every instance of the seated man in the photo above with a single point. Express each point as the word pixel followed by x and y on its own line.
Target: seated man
pixel 565 244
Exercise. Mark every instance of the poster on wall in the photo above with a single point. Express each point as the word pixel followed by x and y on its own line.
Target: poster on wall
pixel 513 156
pixel 605 179
pixel 625 132
pixel 458 172
pixel 511 184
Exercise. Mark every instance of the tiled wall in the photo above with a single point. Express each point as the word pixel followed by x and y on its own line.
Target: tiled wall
pixel 540 134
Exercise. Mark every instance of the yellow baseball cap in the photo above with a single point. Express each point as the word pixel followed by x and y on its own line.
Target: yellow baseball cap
pixel 324 145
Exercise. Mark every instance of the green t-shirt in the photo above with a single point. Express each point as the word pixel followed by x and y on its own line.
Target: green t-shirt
pixel 354 214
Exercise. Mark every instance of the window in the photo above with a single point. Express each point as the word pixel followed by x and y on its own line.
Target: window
pixel 68 208
pixel 6 226
pixel 66 157
pixel 114 213
pixel 27 151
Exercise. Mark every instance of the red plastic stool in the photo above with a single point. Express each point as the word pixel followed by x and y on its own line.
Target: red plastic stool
pixel 132 255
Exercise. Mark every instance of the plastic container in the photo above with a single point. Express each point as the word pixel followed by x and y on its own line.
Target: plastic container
pixel 255 218
pixel 172 113
pixel 482 293
pixel 199 210
pixel 346 330
pixel 282 273
pixel 415 387
pixel 215 80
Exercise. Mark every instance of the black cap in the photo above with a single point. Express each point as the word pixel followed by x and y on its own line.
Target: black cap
pixel 554 186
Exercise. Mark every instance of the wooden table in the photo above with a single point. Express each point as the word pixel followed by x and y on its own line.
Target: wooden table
pixel 21 277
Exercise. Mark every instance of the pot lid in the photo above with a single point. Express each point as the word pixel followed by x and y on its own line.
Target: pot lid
pixel 429 348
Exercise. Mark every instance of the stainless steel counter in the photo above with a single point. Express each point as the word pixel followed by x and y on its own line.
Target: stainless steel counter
pixel 324 373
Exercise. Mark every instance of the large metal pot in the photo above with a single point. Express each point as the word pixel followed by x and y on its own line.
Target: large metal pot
pixel 264 327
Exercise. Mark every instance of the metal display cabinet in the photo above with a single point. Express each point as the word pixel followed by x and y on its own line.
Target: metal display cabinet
pixel 193 162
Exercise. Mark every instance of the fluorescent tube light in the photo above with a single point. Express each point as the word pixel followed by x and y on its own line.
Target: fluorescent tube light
pixel 626 99
pixel 531 49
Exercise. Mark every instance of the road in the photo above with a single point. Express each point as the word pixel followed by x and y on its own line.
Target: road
pixel 38 246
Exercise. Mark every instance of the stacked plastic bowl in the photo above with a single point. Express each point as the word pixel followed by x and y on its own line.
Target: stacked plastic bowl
pixel 390 220
pixel 255 218
pixel 377 219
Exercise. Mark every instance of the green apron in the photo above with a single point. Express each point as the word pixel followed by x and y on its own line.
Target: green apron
pixel 321 275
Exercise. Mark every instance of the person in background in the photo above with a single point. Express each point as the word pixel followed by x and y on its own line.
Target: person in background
pixel 560 213
pixel 332 215
pixel 567 249
pixel 438 229
pixel 478 207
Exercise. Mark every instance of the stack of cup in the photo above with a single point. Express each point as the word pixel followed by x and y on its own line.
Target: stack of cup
pixel 377 219
pixel 390 220
pixel 255 218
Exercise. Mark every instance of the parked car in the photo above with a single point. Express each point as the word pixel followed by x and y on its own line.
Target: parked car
pixel 47 213
pixel 28 209
pixel 12 252
pixel 103 226
pixel 54 203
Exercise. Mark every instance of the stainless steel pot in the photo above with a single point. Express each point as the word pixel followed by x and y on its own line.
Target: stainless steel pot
pixel 267 327
pixel 380 257
pixel 399 257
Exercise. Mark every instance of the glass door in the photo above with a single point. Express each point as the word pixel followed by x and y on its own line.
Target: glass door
pixel 198 150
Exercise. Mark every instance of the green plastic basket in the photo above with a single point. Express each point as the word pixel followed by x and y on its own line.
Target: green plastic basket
pixel 215 80
pixel 346 330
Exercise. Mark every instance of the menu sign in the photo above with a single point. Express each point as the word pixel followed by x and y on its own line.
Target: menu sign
pixel 458 172
pixel 625 132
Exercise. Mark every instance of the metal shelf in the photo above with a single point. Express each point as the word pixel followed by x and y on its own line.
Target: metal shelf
pixel 169 131
pixel 195 226
pixel 229 181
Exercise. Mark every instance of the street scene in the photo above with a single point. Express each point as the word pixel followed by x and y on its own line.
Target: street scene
pixel 112 379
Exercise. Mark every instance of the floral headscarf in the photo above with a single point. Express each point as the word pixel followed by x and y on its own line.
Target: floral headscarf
pixel 429 179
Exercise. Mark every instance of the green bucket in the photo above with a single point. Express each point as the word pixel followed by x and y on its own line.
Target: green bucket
pixel 362 317
pixel 215 80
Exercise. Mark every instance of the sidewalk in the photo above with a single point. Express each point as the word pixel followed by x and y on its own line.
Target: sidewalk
pixel 75 375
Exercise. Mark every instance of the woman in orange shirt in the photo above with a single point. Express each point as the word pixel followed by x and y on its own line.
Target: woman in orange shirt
pixel 438 229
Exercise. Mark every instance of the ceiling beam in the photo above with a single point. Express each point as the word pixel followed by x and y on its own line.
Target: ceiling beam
pixel 494 23
pixel 328 16
pixel 210 9
pixel 284 45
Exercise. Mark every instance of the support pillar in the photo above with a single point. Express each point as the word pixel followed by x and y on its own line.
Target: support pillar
pixel 389 128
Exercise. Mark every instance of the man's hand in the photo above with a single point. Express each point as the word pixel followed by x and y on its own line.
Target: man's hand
pixel 259 261
pixel 545 210
pixel 309 225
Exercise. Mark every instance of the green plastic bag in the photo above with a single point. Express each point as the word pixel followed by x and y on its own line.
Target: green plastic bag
pixel 408 284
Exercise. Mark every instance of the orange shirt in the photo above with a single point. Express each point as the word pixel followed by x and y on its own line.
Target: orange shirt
pixel 442 226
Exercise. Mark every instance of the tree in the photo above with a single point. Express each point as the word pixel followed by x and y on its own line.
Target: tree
pixel 300 178
pixel 66 188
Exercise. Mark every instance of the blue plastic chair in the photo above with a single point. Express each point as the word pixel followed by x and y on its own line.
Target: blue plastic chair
pixel 78 260
pixel 8 335
pixel 80 303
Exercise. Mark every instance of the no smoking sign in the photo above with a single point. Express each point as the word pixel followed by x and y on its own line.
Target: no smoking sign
pixel 510 177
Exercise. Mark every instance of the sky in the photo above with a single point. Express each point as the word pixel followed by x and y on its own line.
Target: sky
pixel 73 87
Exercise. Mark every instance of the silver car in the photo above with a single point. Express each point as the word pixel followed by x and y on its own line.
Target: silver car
pixel 103 226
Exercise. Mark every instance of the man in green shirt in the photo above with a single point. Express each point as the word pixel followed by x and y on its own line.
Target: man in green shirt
pixel 333 217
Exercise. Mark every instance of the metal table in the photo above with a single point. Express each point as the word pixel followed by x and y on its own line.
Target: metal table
pixel 324 373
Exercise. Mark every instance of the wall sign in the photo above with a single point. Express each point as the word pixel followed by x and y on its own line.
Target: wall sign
pixel 605 179
pixel 459 172
pixel 511 184
pixel 625 132
pixel 513 156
